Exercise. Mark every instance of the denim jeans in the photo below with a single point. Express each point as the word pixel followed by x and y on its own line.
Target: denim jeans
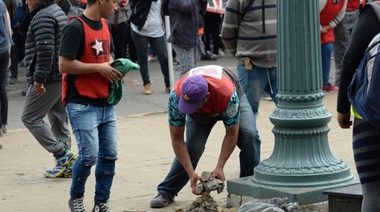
pixel 159 45
pixel 196 137
pixel 95 130
pixel 326 50
pixel 255 82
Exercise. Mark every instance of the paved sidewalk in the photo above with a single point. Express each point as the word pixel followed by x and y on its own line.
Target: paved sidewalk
pixel 145 156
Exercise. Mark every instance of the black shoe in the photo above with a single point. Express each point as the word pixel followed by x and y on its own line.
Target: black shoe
pixel 162 200
pixel 23 92
pixel 76 205
pixel 101 207
pixel 13 80
pixel 208 57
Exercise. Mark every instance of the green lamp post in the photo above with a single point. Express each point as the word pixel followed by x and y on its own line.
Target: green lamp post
pixel 301 165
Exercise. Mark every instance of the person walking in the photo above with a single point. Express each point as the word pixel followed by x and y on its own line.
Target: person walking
pixel 5 61
pixel 147 29
pixel 254 45
pixel 365 137
pixel 43 97
pixel 202 97
pixel 85 61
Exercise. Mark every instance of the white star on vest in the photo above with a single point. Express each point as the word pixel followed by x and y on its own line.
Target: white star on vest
pixel 97 46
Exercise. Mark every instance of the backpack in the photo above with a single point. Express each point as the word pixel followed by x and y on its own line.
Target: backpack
pixel 363 91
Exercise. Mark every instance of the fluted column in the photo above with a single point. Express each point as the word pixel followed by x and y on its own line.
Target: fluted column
pixel 301 165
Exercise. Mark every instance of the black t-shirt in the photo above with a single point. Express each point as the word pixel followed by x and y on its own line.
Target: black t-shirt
pixel 72 44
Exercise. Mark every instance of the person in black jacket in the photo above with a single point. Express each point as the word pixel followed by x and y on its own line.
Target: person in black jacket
pixel 147 28
pixel 43 96
pixel 366 138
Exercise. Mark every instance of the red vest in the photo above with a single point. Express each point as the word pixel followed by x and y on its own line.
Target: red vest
pixel 97 46
pixel 220 87
pixel 326 16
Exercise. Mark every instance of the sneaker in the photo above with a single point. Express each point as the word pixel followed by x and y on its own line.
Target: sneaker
pixel 23 92
pixel 266 97
pixel 68 173
pixel 152 58
pixel 162 200
pixel 328 87
pixel 76 205
pixel 4 128
pixel 13 80
pixel 221 53
pixel 208 57
pixel 101 207
pixel 148 89
pixel 62 163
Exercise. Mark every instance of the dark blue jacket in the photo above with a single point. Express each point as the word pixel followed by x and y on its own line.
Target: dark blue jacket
pixel 185 19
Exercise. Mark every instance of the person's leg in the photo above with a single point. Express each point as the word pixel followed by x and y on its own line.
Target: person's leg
pixel 141 43
pixel 58 118
pixel 216 19
pixel 119 33
pixel 326 62
pixel 366 147
pixel 84 120
pixel 342 33
pixel 35 109
pixel 159 44
pixel 272 87
pixel 249 140
pixel 131 46
pixel 105 167
pixel 196 138
pixel 253 82
pixel 17 40
pixel 187 58
pixel 4 62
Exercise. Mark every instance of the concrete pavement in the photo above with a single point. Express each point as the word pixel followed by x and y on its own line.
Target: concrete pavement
pixel 145 156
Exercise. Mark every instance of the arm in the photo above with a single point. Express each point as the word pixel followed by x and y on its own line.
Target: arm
pixel 228 146
pixel 182 154
pixel 177 122
pixel 339 16
pixel 368 23
pixel 10 35
pixel 230 26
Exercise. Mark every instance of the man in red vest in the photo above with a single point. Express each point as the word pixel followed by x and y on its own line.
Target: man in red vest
pixel 84 60
pixel 200 98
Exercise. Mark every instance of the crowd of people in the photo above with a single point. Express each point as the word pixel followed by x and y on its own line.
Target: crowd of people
pixel 69 68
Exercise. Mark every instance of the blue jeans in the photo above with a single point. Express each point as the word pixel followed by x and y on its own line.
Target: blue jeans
pixel 255 82
pixel 95 130
pixel 196 137
pixel 326 50
pixel 159 45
